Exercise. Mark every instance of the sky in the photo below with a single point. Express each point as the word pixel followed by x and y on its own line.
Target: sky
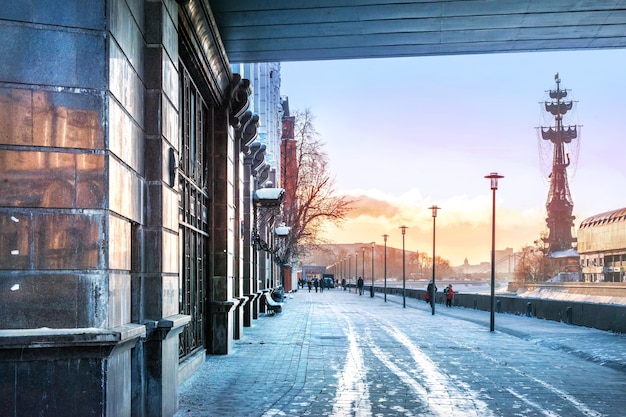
pixel 402 134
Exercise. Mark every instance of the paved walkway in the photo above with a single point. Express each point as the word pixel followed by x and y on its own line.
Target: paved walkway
pixel 339 354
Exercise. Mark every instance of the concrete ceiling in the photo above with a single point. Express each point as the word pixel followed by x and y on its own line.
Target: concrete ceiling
pixel 304 30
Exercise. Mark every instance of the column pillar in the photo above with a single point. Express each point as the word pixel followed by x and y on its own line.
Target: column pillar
pixel 156 283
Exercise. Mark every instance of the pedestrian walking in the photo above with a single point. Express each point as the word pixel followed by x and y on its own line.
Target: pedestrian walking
pixel 429 291
pixel 316 283
pixel 309 284
pixel 343 283
pixel 449 292
pixel 359 284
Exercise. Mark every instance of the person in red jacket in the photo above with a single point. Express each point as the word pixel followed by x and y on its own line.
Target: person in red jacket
pixel 449 295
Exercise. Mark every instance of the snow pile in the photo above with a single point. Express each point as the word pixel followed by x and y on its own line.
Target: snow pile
pixel 554 294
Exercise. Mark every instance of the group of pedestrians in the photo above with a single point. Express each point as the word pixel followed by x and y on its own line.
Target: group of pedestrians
pixel 448 292
pixel 359 285
pixel 318 284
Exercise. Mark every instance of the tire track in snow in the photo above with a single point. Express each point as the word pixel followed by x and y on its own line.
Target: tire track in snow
pixel 352 396
pixel 421 358
pixel 531 403
pixel 436 389
pixel 580 406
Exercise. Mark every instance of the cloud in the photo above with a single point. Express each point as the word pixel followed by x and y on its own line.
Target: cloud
pixel 463 225
pixel 372 207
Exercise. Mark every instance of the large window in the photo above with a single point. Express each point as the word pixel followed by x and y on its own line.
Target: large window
pixel 195 119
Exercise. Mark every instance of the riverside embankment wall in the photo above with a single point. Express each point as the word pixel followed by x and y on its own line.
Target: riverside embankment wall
pixel 610 317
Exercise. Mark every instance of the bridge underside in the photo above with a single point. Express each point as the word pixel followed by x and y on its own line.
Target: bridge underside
pixel 304 30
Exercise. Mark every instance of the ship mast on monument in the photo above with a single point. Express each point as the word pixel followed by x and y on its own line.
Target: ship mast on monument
pixel 559 205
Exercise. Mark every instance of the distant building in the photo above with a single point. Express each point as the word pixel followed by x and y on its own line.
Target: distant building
pixel 506 261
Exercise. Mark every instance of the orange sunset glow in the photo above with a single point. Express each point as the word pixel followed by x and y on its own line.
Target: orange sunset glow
pixel 463 225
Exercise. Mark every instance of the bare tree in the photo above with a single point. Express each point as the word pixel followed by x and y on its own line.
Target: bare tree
pixel 314 201
pixel 442 267
pixel 532 265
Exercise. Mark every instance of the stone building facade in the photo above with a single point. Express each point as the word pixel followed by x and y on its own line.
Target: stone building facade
pixel 125 217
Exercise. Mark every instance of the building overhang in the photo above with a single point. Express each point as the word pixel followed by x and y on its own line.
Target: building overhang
pixel 307 30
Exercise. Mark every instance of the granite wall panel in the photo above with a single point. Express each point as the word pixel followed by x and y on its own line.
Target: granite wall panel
pixel 126 32
pixel 153 246
pixel 45 118
pixel 169 121
pixel 170 251
pixel 51 300
pixel 16 116
pixel 125 84
pixel 170 209
pixel 170 83
pixel 61 300
pixel 164 300
pixel 51 388
pixel 118 384
pixel 73 13
pixel 170 295
pixel 68 120
pixel 125 191
pixel 119 256
pixel 119 299
pixel 90 177
pixel 68 241
pixel 93 300
pixel 169 29
pixel 15 249
pixel 154 213
pixel 40 55
pixel 51 179
pixel 126 139
pixel 152 307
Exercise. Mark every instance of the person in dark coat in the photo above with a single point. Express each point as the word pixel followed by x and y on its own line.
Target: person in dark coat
pixel 429 291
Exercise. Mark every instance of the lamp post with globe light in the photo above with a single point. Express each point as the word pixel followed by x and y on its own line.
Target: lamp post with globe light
pixel 372 289
pixel 385 272
pixel 403 269
pixel 493 177
pixel 433 287
pixel 356 270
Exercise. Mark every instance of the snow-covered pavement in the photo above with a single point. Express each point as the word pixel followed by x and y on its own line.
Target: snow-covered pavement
pixel 339 354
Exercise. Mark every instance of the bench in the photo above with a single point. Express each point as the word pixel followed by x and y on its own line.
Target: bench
pixel 273 306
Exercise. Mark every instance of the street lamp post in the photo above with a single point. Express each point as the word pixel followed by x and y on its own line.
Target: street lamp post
pixel 433 291
pixel 363 263
pixel 385 237
pixel 356 269
pixel 343 269
pixel 403 269
pixel 372 289
pixel 493 177
pixel 349 272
